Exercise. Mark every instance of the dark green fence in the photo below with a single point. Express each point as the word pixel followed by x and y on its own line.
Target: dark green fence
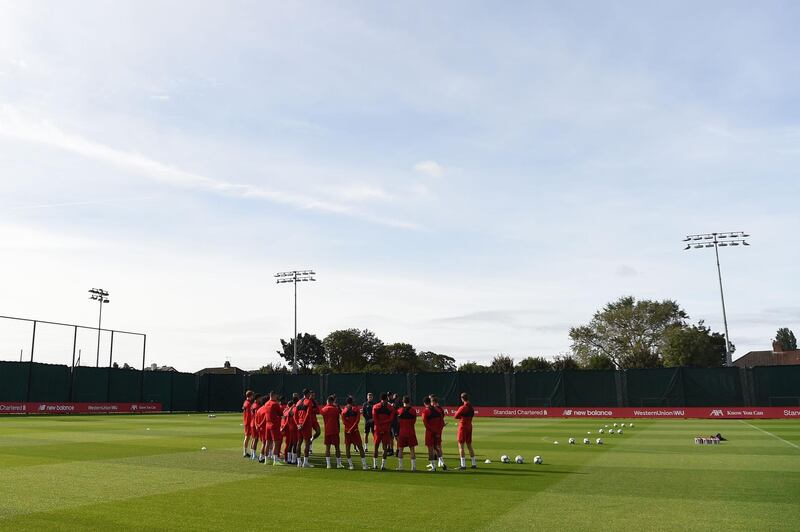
pixel 760 386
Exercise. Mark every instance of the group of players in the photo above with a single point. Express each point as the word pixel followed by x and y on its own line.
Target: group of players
pixel 286 429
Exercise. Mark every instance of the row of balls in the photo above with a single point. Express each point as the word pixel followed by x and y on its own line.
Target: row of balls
pixel 518 459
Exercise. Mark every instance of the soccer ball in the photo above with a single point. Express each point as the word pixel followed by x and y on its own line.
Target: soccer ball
pixel 572 441
pixel 504 459
pixel 611 431
pixel 630 424
pixel 615 424
pixel 619 431
pixel 599 441
pixel 537 460
pixel 600 431
pixel 622 424
pixel 519 459
pixel 586 441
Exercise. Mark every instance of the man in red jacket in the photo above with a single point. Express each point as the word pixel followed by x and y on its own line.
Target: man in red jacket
pixel 383 414
pixel 248 400
pixel 351 415
pixel 406 434
pixel 464 415
pixel 303 415
pixel 330 416
pixel 433 419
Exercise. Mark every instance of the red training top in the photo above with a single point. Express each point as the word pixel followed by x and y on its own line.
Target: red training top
pixel 408 417
pixel 274 412
pixel 260 419
pixel 464 415
pixel 246 412
pixel 433 418
pixel 351 415
pixel 382 415
pixel 303 412
pixel 330 415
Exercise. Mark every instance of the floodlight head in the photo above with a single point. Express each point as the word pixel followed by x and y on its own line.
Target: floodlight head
pixel 687 247
pixel 745 244
pixel 698 246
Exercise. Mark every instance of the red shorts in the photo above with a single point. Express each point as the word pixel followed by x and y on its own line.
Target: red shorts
pixel 254 431
pixel 304 433
pixel 332 439
pixel 263 435
pixel 384 437
pixel 294 435
pixel 409 440
pixel 432 439
pixel 464 434
pixel 273 433
pixel 353 438
pixel 248 430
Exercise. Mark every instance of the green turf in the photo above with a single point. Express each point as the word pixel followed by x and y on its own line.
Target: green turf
pixel 110 472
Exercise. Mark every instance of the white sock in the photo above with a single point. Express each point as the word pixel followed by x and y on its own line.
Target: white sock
pixel 339 461
pixel 299 461
pixel 413 464
pixel 328 461
pixel 350 462
pixel 364 463
pixel 374 463
pixel 463 462
pixel 305 460
pixel 441 461
pixel 399 464
pixel 474 461
pixel 383 463
pixel 276 458
pixel 433 465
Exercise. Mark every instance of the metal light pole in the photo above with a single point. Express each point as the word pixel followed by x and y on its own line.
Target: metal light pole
pixel 717 240
pixel 295 277
pixel 98 294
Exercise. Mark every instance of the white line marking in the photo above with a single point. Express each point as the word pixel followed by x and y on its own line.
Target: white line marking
pixel 771 434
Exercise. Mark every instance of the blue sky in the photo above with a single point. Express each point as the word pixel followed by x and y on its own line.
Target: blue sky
pixel 472 178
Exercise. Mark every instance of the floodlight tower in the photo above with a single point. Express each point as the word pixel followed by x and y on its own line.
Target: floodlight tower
pixel 98 294
pixel 294 277
pixel 717 240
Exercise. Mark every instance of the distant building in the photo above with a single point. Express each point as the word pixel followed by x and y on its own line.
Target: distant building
pixel 156 367
pixel 776 357
pixel 226 369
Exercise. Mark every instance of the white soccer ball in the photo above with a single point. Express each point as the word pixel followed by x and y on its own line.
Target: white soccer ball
pixel 519 459
pixel 504 459
pixel 536 460
pixel 572 441
pixel 622 424
pixel 599 441
pixel 615 424
pixel 619 431
pixel 586 441
pixel 611 431
pixel 600 431
pixel 630 424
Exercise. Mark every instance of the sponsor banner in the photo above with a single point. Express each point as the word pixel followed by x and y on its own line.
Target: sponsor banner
pixel 78 408
pixel 706 412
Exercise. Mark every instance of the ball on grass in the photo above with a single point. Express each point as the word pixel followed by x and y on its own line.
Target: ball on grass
pixel 537 460
pixel 504 459
pixel 519 459
pixel 611 431
pixel 619 431
pixel 600 431
pixel 599 441
pixel 572 441
pixel 586 441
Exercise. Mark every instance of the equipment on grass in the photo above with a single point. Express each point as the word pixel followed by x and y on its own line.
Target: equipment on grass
pixel 611 431
pixel 487 461
pixel 504 459
pixel 619 431
pixel 555 442
pixel 586 441
pixel 599 441
pixel 203 449
pixel 600 431
pixel 537 460
pixel 615 424
pixel 519 459
pixel 572 441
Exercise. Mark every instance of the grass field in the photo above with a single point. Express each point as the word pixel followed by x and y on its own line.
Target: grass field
pixel 110 472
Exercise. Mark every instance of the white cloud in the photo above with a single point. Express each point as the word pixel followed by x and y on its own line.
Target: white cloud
pixel 429 168
pixel 17 125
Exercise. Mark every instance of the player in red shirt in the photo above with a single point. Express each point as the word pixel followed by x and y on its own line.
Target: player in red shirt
pixel 314 423
pixel 254 406
pixel 273 429
pixel 407 435
pixel 352 438
pixel 289 431
pixel 248 400
pixel 383 414
pixel 303 414
pixel 330 415
pixel 464 415
pixel 260 423
pixel 433 419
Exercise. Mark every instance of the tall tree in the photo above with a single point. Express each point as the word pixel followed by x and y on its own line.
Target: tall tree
pixel 502 364
pixel 473 367
pixel 561 362
pixel 310 352
pixel 786 339
pixel 273 367
pixel 694 346
pixel 597 362
pixel 629 332
pixel 400 358
pixel 351 350
pixel 534 364
pixel 435 362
